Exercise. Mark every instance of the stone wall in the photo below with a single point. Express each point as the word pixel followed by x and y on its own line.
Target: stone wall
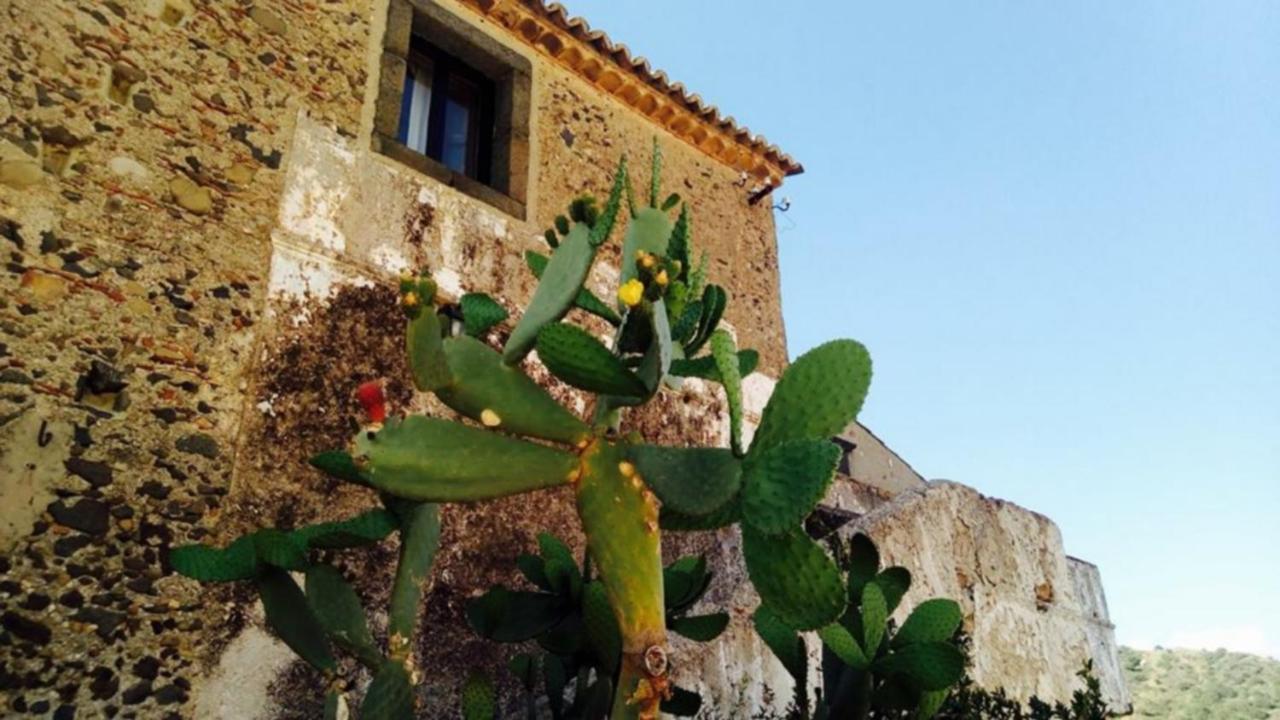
pixel 198 248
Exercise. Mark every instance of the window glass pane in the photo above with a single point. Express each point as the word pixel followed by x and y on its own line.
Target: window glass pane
pixel 457 123
pixel 415 108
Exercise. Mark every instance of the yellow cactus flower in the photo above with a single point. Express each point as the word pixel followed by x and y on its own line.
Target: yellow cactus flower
pixel 410 299
pixel 631 293
pixel 661 279
pixel 647 260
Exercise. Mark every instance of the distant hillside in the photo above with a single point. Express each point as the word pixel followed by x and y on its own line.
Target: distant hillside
pixel 1202 685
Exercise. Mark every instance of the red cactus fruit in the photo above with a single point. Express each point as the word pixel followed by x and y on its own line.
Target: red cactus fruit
pixel 373 399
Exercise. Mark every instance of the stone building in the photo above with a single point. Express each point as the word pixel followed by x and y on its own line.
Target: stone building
pixel 202 205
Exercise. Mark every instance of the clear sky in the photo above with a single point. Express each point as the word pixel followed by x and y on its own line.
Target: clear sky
pixel 1057 228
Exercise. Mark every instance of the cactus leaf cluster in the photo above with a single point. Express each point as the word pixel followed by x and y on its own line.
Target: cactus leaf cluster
pixel 868 669
pixel 602 625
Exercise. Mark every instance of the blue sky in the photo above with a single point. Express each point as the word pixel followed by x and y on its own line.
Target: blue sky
pixel 1057 228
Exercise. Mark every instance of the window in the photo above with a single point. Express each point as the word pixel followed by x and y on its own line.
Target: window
pixel 454 124
pixel 453 103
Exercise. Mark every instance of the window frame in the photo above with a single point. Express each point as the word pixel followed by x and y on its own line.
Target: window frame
pixel 504 163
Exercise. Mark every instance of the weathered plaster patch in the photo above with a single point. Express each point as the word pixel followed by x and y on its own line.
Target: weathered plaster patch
pixel 238 687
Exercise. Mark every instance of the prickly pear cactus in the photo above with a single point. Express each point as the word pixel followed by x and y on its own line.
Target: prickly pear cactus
pixel 666 321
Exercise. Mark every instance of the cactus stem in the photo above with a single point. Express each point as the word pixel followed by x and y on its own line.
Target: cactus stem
pixel 490 418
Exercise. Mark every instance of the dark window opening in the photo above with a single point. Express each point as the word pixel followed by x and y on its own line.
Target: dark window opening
pixel 447 112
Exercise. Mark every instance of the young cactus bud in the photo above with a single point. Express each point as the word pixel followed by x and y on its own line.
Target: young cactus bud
pixel 562 224
pixel 373 399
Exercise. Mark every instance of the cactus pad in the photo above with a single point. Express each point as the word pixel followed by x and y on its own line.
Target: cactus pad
pixel 559 286
pixel 928 666
pixel 690 481
pixel 428 459
pixel 338 609
pixel 840 641
pixel 289 616
pixel 620 519
pixel 875 613
pixel 933 620
pixel 795 577
pixel 782 485
pixel 479 700
pixel 426 355
pixel 817 396
pixel 783 640
pixel 481 381
pixel 580 360
pixel 585 300
pixel 480 312
pixel 726 356
pixel 648 232
pixel 705 367
pixel 390 696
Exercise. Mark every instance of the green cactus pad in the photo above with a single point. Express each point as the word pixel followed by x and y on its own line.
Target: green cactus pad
pixel 514 616
pixel 290 618
pixel 280 549
pixel 560 567
pixel 817 396
pixel 419 540
pixel 683 582
pixel 702 628
pixel 680 242
pixel 336 605
pixel 481 381
pixel 479 699
pixel 689 481
pixel 480 312
pixel 863 563
pixel 586 300
pixel 338 464
pixel 783 640
pixel 423 341
pixel 933 620
pixel 649 231
pixel 894 582
pixel 929 666
pixel 930 703
pixel 840 641
pixel 364 529
pixel 601 626
pixel 782 485
pixel 726 356
pixel 875 613
pixel 577 358
pixel 705 367
pixel 428 459
pixel 726 515
pixel 620 519
pixel 390 695
pixel 603 225
pixel 713 302
pixel 556 291
pixel 795 577
pixel 237 561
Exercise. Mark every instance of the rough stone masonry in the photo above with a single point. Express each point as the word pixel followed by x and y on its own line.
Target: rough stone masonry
pixel 199 236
